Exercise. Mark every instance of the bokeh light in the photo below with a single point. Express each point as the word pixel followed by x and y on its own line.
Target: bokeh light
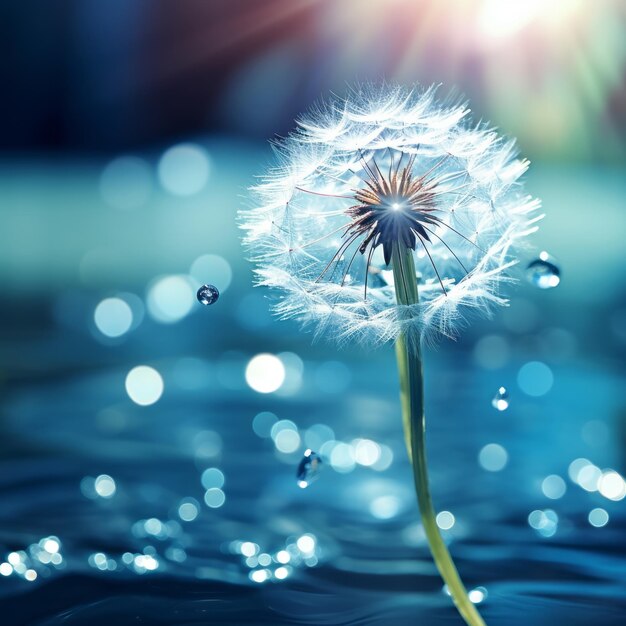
pixel 385 507
pixel 113 317
pixel 342 458
pixel 212 477
pixel 214 498
pixel 294 373
pixel 544 522
pixel 184 169
pixel 213 269
pixel 612 485
pixel 286 437
pixel 317 435
pixel 170 298
pixel 188 509
pixel 144 385
pixel 366 452
pixel 553 487
pixel 265 373
pixel 477 595
pixel 6 569
pixel 493 457
pixel 105 486
pixel 445 520
pixel 263 422
pixel 126 182
pixel 306 543
pixel 598 517
pixel 535 378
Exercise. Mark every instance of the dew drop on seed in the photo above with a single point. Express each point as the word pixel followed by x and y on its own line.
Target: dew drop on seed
pixel 501 399
pixel 308 468
pixel 208 294
pixel 543 272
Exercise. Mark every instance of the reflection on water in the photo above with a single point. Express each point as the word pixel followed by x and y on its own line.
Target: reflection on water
pixel 159 491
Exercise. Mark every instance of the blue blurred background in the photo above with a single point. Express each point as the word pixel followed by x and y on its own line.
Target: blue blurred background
pixel 129 133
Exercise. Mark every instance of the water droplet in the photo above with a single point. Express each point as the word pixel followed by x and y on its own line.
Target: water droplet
pixel 208 294
pixel 501 400
pixel 308 468
pixel 543 272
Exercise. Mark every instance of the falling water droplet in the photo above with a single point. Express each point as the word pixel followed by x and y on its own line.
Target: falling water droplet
pixel 208 294
pixel 543 272
pixel 308 468
pixel 501 399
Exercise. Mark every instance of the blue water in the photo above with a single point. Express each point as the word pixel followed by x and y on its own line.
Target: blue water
pixel 129 557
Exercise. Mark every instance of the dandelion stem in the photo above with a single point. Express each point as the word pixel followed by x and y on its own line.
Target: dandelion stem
pixel 413 418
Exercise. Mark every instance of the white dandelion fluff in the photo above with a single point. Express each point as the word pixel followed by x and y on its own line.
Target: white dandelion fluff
pixel 388 217
pixel 387 166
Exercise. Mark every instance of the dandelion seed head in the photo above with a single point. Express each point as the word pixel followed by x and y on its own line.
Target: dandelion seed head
pixel 388 165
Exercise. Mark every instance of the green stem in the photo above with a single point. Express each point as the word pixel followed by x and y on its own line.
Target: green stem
pixel 412 396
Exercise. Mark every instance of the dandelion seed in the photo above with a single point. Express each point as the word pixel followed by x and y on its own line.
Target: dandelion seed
pixel 389 165
pixel 392 182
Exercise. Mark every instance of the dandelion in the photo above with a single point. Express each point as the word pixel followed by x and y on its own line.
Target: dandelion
pixel 389 217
